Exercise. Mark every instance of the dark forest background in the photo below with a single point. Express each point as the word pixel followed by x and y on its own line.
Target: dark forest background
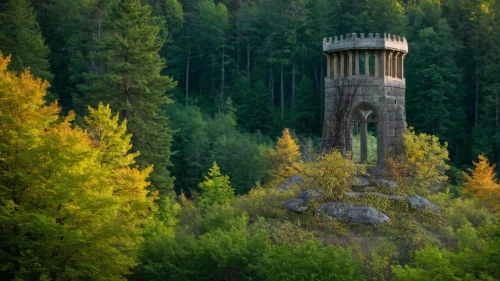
pixel 247 69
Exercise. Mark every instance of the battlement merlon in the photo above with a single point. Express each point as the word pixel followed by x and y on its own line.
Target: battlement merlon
pixel 365 41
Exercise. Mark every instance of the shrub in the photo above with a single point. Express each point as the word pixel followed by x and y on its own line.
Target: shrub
pixel 420 160
pixel 309 261
pixel 333 173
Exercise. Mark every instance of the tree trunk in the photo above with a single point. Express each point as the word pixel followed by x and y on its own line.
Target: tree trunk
pixel 497 110
pixel 477 90
pixel 223 76
pixel 316 79
pixel 187 77
pixel 282 95
pixel 321 92
pixel 497 125
pixel 248 60
pixel 293 85
pixel 238 57
pixel 271 84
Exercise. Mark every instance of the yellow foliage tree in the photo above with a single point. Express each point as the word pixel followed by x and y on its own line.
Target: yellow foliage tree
pixel 72 205
pixel 422 160
pixel 286 158
pixel 482 183
pixel 333 172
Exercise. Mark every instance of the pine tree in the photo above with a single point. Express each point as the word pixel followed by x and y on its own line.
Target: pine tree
pixel 306 113
pixel 286 158
pixel 435 92
pixel 129 79
pixel 216 189
pixel 20 37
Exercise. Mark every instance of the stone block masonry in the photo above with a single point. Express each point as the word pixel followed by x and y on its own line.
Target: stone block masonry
pixel 364 84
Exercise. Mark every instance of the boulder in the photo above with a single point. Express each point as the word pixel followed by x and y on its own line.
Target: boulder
pixel 377 194
pixel 386 183
pixel 296 205
pixel 351 213
pixel 360 182
pixel 310 194
pixel 422 204
pixel 293 180
pixel 367 188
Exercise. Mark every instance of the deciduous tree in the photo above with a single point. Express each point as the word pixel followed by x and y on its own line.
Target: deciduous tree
pixel 420 160
pixel 72 204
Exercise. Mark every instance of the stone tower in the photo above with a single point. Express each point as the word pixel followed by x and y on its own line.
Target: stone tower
pixel 364 83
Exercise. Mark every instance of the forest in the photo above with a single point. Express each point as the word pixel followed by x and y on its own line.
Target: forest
pixel 158 140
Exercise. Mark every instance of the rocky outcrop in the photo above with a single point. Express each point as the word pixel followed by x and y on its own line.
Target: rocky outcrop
pixel 360 182
pixel 296 205
pixel 351 213
pixel 422 204
pixel 293 180
pixel 414 201
pixel 386 183
pixel 376 194
pixel 310 194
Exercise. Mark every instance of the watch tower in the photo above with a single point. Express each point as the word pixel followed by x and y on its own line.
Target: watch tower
pixel 364 84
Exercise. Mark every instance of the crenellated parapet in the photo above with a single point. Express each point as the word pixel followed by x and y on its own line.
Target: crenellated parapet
pixel 353 41
pixel 365 55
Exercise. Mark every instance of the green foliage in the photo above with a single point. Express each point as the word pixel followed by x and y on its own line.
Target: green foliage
pixel 437 86
pixel 309 261
pixel 305 112
pixel 223 249
pixel 252 106
pixel 20 36
pixel 263 202
pixel 128 78
pixel 384 15
pixel 201 140
pixel 171 10
pixel 421 162
pixel 74 205
pixel 67 194
pixel 372 148
pixel 473 259
pixel 216 189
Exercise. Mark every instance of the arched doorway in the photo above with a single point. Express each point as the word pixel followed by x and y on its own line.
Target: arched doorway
pixel 364 129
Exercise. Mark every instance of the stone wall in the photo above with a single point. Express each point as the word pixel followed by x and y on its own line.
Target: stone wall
pixel 385 96
pixel 368 69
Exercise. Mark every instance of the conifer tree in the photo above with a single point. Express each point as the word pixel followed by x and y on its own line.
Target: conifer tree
pixel 435 90
pixel 129 79
pixel 286 157
pixel 20 37
pixel 482 183
pixel 306 113
pixel 216 189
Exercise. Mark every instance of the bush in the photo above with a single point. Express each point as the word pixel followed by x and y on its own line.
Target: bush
pixel 309 262
pixel 420 160
pixel 333 173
